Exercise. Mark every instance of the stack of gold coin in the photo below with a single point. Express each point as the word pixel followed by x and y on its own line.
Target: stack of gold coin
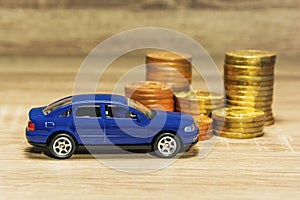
pixel 204 127
pixel 249 80
pixel 153 95
pixel 238 122
pixel 198 102
pixel 171 68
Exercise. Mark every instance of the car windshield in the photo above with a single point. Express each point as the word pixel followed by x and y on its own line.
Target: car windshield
pixel 141 108
pixel 53 106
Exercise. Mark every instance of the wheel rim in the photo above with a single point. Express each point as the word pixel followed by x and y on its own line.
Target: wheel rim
pixel 167 145
pixel 62 146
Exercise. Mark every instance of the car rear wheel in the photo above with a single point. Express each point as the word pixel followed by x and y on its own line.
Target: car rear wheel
pixel 61 146
pixel 167 145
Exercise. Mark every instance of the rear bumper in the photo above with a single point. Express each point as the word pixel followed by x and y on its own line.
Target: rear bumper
pixel 37 138
pixel 37 144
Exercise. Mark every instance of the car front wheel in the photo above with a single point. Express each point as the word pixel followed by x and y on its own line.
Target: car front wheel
pixel 167 145
pixel 61 146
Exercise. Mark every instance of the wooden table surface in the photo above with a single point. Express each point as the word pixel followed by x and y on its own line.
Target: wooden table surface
pixel 267 167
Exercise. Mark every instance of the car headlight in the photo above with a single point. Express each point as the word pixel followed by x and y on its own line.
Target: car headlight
pixel 189 128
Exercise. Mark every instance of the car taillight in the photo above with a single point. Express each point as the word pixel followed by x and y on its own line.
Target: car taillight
pixel 30 126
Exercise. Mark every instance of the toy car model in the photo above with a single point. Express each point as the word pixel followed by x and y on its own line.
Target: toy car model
pixel 106 119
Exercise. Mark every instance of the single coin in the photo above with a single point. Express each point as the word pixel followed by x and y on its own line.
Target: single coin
pixel 249 93
pixel 258 63
pixel 237 135
pixel 249 54
pixel 249 78
pixel 249 88
pixel 157 96
pixel 204 137
pixel 238 124
pixel 253 69
pixel 166 56
pixel 238 114
pixel 263 108
pixel 248 83
pixel 249 103
pixel 165 66
pixel 174 78
pixel 249 98
pixel 203 120
pixel 247 73
pixel 270 122
pixel 238 130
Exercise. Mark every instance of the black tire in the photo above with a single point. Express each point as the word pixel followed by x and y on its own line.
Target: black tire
pixel 166 145
pixel 61 146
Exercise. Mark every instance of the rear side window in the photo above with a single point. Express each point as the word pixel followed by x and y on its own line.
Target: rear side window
pixel 88 111
pixel 66 113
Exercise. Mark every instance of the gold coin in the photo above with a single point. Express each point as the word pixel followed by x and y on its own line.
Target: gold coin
pixel 248 103
pixel 249 88
pixel 249 78
pixel 203 126
pixel 252 56
pixel 167 75
pixel 270 122
pixel 247 73
pixel 249 98
pixel 199 102
pixel 249 62
pixel 204 132
pixel 263 108
pixel 268 113
pixel 168 66
pixel 238 124
pixel 253 69
pixel 203 120
pixel 200 95
pixel 146 87
pixel 249 93
pixel 156 101
pixel 165 56
pixel 195 116
pixel 204 137
pixel 237 135
pixel 176 78
pixel 238 130
pixel 238 114
pixel 193 112
pixel 248 83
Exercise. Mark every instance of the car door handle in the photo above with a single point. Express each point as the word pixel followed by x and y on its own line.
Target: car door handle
pixel 113 125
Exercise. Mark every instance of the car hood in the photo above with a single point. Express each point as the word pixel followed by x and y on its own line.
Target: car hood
pixel 173 119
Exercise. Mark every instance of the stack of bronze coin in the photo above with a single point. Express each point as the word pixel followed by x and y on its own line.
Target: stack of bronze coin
pixel 204 127
pixel 238 122
pixel 171 68
pixel 198 102
pixel 151 94
pixel 249 80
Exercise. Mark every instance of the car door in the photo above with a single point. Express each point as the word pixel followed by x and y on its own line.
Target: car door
pixel 89 124
pixel 122 125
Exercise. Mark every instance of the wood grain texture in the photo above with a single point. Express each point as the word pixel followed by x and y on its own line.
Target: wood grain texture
pixel 267 167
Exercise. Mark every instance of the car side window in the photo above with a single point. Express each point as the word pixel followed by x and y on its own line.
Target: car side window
pixel 66 113
pixel 115 111
pixel 88 111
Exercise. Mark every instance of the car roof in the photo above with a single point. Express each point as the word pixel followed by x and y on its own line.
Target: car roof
pixel 83 98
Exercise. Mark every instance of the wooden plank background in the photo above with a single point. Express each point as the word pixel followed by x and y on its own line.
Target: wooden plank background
pixel 41 51
pixel 263 168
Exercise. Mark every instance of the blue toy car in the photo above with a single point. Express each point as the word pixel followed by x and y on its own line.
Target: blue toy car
pixel 106 119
